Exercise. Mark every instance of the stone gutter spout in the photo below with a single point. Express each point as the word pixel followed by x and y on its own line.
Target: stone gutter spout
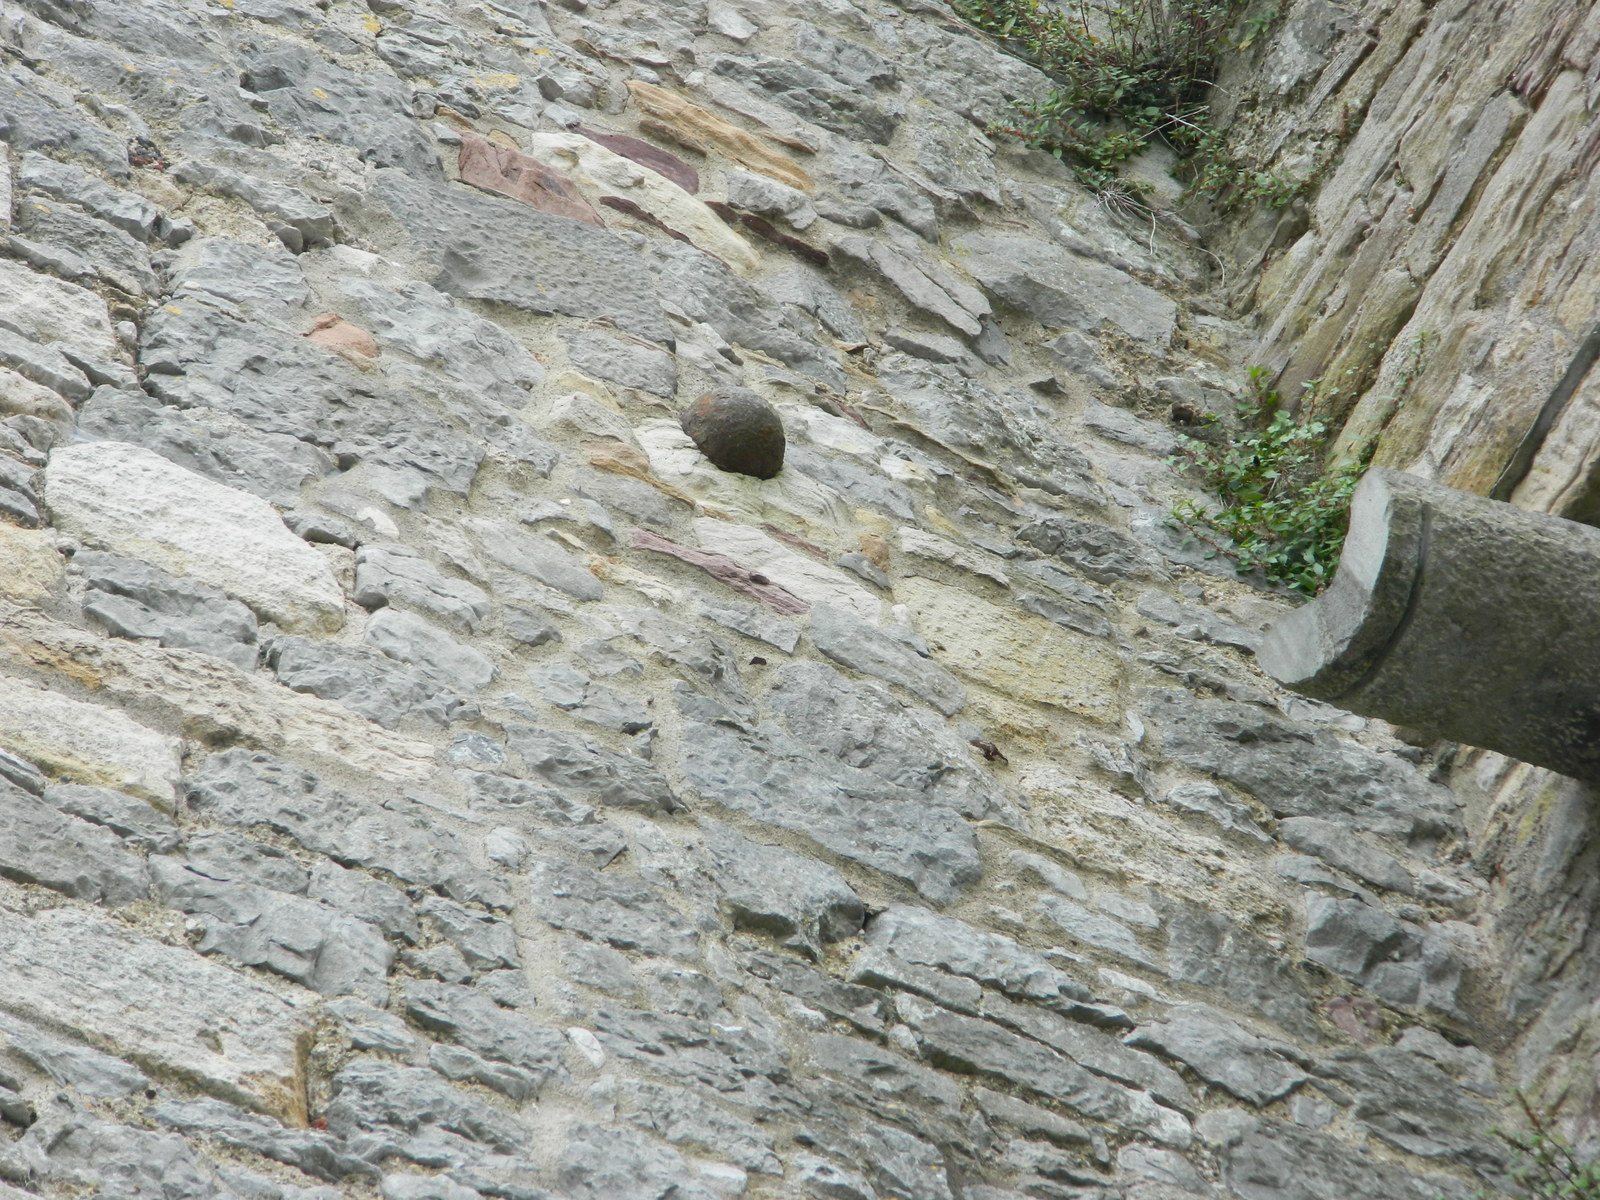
pixel 1462 617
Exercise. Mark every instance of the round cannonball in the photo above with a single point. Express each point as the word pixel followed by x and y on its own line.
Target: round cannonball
pixel 737 430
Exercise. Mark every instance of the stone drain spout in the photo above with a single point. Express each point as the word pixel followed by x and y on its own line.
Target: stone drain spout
pixel 1462 617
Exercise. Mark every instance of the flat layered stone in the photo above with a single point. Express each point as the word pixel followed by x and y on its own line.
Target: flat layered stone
pixel 1020 656
pixel 1057 287
pixel 210 700
pixel 847 639
pixel 159 1006
pixel 133 502
pixel 88 743
pixel 497 168
pixel 487 248
pixel 702 130
pixel 804 577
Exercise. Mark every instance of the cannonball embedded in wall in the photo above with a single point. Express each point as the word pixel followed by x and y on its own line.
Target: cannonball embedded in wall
pixel 737 430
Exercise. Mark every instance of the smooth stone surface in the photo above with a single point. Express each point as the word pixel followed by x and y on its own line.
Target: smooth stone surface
pixel 157 1005
pixel 847 639
pixel 131 501
pixel 494 249
pixel 1057 287
pixel 87 743
pixel 1223 1053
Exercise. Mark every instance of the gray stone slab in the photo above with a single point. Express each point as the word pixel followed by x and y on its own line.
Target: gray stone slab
pixel 292 936
pixel 1277 1161
pixel 362 679
pixel 1213 950
pixel 390 573
pixel 630 364
pixel 971 1046
pixel 1335 845
pixel 574 692
pixel 1057 287
pixel 1222 1052
pixel 128 211
pixel 215 444
pixel 1097 930
pixel 369 111
pixel 46 846
pixel 1401 961
pixel 846 638
pixel 919 936
pixel 1297 770
pixel 431 327
pixel 488 248
pixel 317 1154
pixel 162 1007
pixel 485 942
pixel 238 787
pixel 622 911
pixel 599 1162
pixel 803 902
pixel 381 1096
pixel 467 1016
pixel 576 763
pixel 773 777
pixel 135 600
pixel 412 639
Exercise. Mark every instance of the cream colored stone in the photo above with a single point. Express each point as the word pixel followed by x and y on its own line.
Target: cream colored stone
pixel 937 549
pixel 133 502
pixel 789 498
pixel 210 700
pixel 805 577
pixel 20 396
pixel 1021 656
pixel 164 1008
pixel 586 416
pixel 87 743
pixel 830 432
pixel 30 565
pixel 55 312
pixel 604 172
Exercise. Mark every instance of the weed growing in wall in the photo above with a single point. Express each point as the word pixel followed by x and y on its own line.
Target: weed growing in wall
pixel 1545 1166
pixel 1282 512
pixel 1124 76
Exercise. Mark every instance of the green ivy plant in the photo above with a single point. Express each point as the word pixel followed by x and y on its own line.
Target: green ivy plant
pixel 1282 513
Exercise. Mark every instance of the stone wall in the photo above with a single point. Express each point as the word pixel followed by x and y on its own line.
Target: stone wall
pixel 430 777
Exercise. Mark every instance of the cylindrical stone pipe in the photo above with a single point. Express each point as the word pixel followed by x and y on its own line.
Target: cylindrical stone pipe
pixel 1461 617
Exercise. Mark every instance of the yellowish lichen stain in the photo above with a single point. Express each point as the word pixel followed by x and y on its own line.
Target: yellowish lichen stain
pixel 498 79
pixel 371 23
pixel 1016 655
pixel 319 93
pixel 173 309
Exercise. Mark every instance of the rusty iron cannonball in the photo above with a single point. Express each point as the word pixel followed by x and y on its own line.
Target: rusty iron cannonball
pixel 737 430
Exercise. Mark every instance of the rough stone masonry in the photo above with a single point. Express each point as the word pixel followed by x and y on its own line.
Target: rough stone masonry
pixel 425 775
